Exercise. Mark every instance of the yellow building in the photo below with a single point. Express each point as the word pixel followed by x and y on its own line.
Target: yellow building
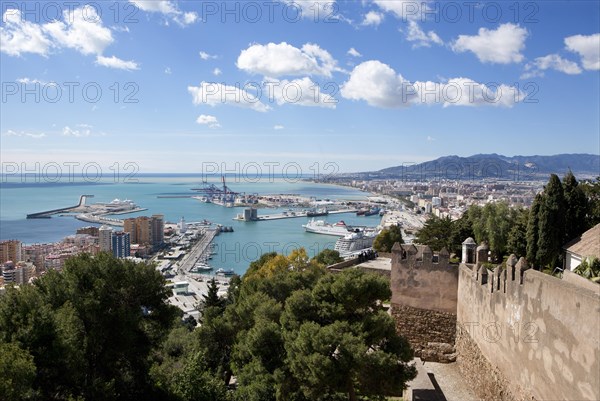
pixel 10 250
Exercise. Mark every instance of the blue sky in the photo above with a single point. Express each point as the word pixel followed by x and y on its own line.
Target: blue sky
pixel 364 85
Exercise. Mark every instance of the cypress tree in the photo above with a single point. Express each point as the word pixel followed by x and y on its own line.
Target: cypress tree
pixel 551 223
pixel 517 236
pixel 576 208
pixel 533 230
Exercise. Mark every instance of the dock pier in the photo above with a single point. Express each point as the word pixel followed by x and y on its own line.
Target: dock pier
pixel 198 250
pixel 48 213
pixel 280 216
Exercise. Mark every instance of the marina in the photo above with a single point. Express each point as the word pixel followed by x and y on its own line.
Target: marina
pixel 199 252
pixel 287 215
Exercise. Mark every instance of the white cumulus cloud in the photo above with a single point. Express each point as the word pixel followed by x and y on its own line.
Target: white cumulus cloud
pixel 211 121
pixel 502 45
pixel 420 38
pixel 82 30
pixel 167 8
pixel 552 61
pixel 403 9
pixel 80 130
pixel 213 94
pixel 24 134
pixel 115 62
pixel 354 53
pixel 19 36
pixel 217 71
pixel 380 86
pixel 300 92
pixel 276 60
pixel 29 81
pixel 205 56
pixel 372 18
pixel 588 48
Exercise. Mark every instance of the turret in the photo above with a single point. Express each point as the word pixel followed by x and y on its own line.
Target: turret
pixel 482 253
pixel 468 251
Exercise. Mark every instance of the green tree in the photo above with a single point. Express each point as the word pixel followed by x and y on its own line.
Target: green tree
pixel 328 257
pixel 281 334
pixel 461 230
pixel 517 236
pixel 195 382
pixel 436 233
pixel 339 340
pixel 533 230
pixel 551 223
pixel 212 299
pixel 387 238
pixel 17 372
pixel 591 190
pixel 475 216
pixel 91 327
pixel 170 358
pixel 257 264
pixel 576 203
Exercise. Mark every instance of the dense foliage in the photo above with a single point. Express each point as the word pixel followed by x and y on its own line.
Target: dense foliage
pixel 563 211
pixel 589 268
pixel 387 238
pixel 101 330
pixel 88 330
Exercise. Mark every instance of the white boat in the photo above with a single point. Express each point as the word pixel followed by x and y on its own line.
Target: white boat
pixel 223 272
pixel 339 229
pixel 202 267
pixel 356 241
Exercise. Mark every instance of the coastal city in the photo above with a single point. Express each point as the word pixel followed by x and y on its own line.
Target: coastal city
pixel 299 200
pixel 182 251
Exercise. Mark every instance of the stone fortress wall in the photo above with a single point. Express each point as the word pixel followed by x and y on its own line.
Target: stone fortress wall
pixel 516 333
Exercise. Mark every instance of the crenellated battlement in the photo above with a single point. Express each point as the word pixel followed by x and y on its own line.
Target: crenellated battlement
pixel 506 327
pixel 419 256
pixel 515 324
pixel 428 322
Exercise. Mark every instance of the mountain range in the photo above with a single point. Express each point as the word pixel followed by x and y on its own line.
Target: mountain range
pixel 519 168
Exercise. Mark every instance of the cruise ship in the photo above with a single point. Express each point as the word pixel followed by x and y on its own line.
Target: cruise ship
pixel 339 229
pixel 355 241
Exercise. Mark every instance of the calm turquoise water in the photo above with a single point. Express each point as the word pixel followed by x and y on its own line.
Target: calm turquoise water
pixel 235 250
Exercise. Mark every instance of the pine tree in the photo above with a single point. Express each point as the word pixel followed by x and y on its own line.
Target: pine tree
pixel 211 298
pixel 533 230
pixel 576 208
pixel 551 223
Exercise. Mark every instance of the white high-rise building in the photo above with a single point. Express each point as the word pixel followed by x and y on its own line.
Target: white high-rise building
pixel 105 238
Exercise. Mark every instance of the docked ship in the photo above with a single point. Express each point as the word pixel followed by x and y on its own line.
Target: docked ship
pixel 223 272
pixel 339 229
pixel 201 267
pixel 355 242
pixel 373 211
pixel 317 212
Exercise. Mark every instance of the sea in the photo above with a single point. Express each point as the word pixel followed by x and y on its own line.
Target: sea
pixel 234 250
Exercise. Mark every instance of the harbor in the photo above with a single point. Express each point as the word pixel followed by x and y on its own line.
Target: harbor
pixel 237 245
pixel 286 215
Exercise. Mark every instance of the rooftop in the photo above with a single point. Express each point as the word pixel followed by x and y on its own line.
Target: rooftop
pixel 586 245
